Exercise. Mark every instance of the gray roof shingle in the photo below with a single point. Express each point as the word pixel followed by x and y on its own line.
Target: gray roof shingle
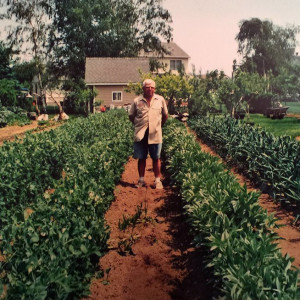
pixel 114 70
pixel 174 51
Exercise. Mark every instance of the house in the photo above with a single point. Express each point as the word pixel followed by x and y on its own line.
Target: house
pixel 174 59
pixel 109 76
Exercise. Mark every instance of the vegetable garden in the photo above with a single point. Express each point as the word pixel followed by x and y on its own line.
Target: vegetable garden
pixel 271 162
pixel 56 187
pixel 228 221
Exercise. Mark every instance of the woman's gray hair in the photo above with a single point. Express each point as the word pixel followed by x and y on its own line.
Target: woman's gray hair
pixel 149 82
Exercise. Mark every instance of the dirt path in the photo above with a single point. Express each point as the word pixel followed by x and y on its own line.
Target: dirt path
pixel 159 264
pixel 154 259
pixel 8 133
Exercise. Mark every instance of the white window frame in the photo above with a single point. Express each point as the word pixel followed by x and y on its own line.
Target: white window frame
pixel 117 92
pixel 177 64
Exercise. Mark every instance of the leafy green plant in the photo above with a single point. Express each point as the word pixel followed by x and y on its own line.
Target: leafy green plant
pixel 125 245
pixel 43 123
pixel 13 115
pixel 52 205
pixel 269 161
pixel 130 220
pixel 227 221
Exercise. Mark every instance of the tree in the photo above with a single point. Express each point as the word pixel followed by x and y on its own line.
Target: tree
pixel 30 33
pixel 245 85
pixel 265 46
pixel 25 71
pixel 215 89
pixel 250 83
pixel 174 88
pixel 5 61
pixel 31 20
pixel 205 98
pixel 107 28
pixel 155 65
pixel 62 33
pixel 10 85
pixel 227 95
pixel 8 92
pixel 286 83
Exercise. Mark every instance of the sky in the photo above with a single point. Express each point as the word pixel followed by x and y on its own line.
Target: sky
pixel 206 29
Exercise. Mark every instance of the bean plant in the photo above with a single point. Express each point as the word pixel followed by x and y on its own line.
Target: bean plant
pixel 54 190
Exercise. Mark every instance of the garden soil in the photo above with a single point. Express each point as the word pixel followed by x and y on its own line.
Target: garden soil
pixel 9 133
pixel 153 258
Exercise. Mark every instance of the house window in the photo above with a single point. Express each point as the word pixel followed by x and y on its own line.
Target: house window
pixel 175 64
pixel 116 96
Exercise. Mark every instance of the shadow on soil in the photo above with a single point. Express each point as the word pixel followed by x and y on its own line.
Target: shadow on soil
pixel 126 184
pixel 195 285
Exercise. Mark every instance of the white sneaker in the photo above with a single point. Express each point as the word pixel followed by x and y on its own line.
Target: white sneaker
pixel 158 185
pixel 140 184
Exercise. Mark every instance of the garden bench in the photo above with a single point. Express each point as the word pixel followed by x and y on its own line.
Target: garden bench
pixel 276 112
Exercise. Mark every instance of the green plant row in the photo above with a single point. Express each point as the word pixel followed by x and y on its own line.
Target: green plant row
pixel 55 188
pixel 271 162
pixel 241 250
pixel 13 116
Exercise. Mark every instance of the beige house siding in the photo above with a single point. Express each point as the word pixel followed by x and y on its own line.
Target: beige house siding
pixel 112 74
pixel 174 52
pixel 57 95
pixel 167 61
pixel 105 93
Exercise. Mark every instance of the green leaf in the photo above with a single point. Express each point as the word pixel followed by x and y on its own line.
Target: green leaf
pixel 83 248
pixel 35 238
pixel 105 282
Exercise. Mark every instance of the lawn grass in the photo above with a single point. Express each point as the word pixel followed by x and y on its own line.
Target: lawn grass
pixel 286 126
pixel 294 107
